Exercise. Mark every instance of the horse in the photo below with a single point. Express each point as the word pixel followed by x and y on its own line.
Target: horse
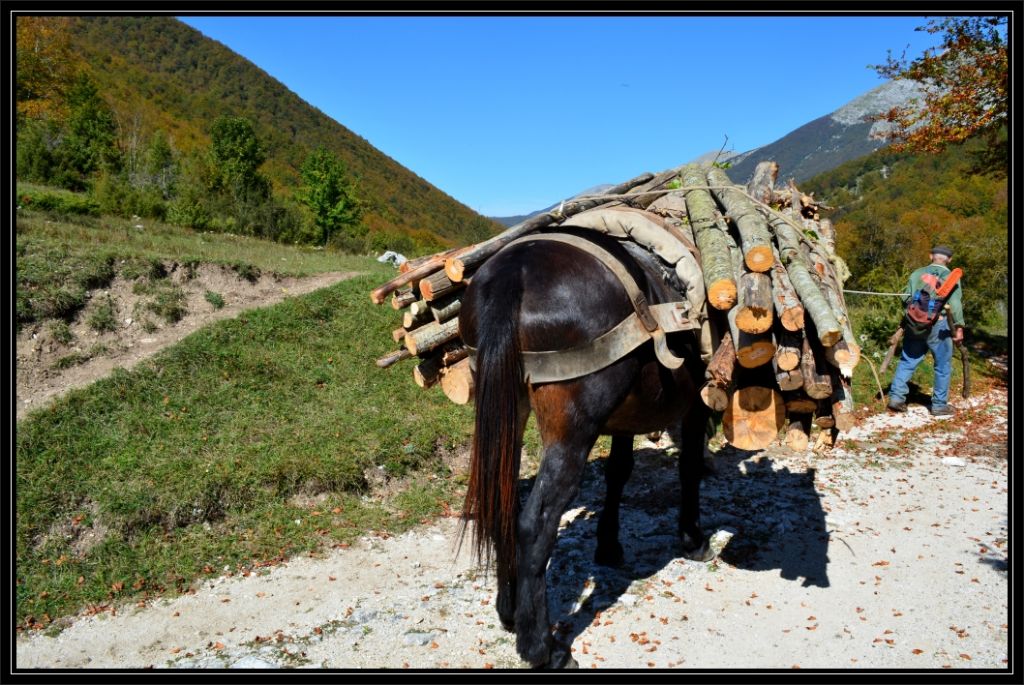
pixel 540 295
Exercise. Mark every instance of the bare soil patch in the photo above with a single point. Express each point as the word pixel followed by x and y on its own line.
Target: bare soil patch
pixel 48 367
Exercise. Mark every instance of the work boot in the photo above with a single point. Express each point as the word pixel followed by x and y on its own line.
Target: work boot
pixel 944 410
pixel 897 406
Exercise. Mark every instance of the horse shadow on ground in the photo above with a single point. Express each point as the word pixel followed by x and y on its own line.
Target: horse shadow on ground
pixel 774 515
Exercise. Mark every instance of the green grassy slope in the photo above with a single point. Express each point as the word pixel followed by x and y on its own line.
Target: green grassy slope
pixel 175 79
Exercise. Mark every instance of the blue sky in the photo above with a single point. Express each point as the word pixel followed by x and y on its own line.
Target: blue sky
pixel 510 114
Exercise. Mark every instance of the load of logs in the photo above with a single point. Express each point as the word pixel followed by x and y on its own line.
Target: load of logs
pixel 782 346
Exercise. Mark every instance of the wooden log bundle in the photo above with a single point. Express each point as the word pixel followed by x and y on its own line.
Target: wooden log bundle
pixel 781 345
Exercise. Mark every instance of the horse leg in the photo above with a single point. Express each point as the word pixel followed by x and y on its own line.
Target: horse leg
pixel 617 469
pixel 557 482
pixel 691 469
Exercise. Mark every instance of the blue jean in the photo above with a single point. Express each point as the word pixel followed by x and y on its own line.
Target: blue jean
pixel 940 342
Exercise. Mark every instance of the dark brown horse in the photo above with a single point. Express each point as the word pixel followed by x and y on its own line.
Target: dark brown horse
pixel 540 295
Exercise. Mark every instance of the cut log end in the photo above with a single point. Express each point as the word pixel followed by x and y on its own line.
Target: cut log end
pixel 722 294
pixel 792 319
pixel 457 382
pixel 754 417
pixel 714 396
pixel 754 319
pixel 454 269
pixel 756 354
pixel 760 258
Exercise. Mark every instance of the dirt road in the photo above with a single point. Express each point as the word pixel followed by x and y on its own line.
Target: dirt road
pixel 890 552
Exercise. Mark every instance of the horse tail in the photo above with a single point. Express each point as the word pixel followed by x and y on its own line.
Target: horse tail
pixel 492 498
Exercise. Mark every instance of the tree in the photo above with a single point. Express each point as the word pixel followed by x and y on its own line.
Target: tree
pixel 237 154
pixel 46 66
pixel 329 195
pixel 965 83
pixel 89 142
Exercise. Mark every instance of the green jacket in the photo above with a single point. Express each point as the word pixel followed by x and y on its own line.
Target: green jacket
pixel 956 307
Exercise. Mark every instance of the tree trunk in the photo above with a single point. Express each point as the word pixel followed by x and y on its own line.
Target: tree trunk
pixel 798 434
pixel 417 315
pixel 813 301
pixel 431 335
pixel 762 184
pixel 428 267
pixel 458 266
pixel 788 380
pixel 754 309
pixel 752 349
pixel 788 351
pixel 446 308
pixel 716 262
pixel 403 298
pixel 787 305
pixel 437 285
pixel 753 418
pixel 454 353
pixel 457 382
pixel 755 239
pixel 842 403
pixel 398 334
pixel 410 264
pixel 428 371
pixel 393 358
pixel 799 403
pixel 817 383
pixel 715 395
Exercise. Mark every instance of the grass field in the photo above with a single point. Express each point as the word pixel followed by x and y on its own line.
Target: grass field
pixel 254 439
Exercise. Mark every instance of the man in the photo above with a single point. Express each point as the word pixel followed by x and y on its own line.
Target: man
pixel 939 338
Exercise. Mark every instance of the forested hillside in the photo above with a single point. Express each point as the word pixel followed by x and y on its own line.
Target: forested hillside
pixel 160 77
pixel 892 207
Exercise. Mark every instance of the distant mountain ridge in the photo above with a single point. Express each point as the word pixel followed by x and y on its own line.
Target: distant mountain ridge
pixel 818 146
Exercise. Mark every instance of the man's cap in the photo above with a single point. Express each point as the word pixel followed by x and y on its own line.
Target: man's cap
pixel 942 249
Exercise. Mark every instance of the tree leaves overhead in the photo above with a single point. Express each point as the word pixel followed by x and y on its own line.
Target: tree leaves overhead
pixel 966 83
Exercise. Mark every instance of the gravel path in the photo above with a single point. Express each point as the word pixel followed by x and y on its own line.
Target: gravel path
pixel 890 552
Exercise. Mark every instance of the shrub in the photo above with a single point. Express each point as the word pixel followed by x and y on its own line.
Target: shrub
pixel 104 316
pixel 215 299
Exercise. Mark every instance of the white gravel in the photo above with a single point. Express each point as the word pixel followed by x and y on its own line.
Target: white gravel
pixel 891 552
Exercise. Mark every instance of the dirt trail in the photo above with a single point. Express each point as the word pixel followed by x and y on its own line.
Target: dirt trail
pixel 890 552
pixel 38 351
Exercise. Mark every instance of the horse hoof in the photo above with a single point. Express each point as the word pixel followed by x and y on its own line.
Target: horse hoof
pixel 700 553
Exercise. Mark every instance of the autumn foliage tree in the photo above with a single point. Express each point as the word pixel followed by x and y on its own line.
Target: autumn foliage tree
pixel 965 83
pixel 45 66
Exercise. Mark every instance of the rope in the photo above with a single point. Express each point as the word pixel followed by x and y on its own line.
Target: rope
pixel 868 292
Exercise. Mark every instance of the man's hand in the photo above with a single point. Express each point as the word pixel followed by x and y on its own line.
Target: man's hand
pixel 958 335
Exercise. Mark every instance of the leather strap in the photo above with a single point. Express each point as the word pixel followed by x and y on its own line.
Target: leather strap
pixel 646 323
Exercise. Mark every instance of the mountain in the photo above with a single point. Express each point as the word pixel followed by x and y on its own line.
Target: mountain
pixel 160 74
pixel 513 220
pixel 831 140
pixel 815 147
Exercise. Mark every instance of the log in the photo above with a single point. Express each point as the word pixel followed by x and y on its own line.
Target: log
pixel 842 403
pixel 656 188
pixel 428 371
pixel 788 350
pixel 752 349
pixel 817 383
pixel 458 266
pixel 403 298
pixel 788 380
pixel 843 355
pixel 410 264
pixel 431 335
pixel 393 358
pixel 446 308
pixel 805 286
pixel 423 270
pixel 457 382
pixel 753 418
pixel 398 334
pixel 715 395
pixel 416 315
pixel 437 285
pixel 716 262
pixel 754 308
pixel 798 433
pixel 755 239
pixel 825 440
pixel 799 403
pixel 788 307
pixel 454 353
pixel 762 183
